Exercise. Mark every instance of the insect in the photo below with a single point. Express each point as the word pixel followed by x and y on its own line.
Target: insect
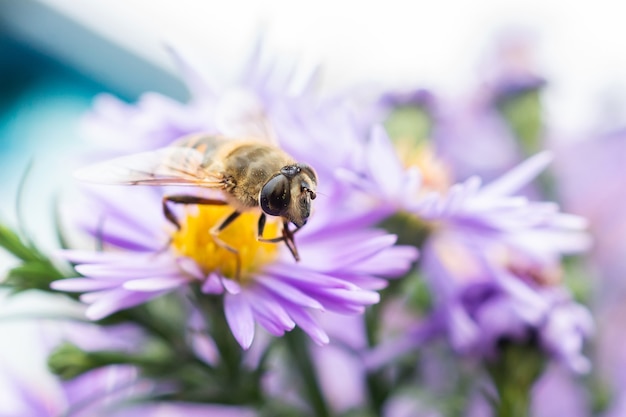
pixel 248 173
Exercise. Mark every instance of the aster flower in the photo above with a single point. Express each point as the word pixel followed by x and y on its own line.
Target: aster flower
pixel 334 273
pixel 342 259
pixel 339 271
pixel 594 193
pixel 493 262
pixel 94 393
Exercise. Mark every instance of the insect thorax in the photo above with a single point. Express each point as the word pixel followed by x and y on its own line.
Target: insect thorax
pixel 249 167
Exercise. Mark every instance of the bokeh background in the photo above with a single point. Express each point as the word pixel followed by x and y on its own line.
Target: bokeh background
pixel 56 55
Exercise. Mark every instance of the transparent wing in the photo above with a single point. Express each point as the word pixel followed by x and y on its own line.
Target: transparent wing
pixel 241 115
pixel 166 166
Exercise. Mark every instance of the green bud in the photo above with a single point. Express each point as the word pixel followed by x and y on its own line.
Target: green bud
pixel 68 361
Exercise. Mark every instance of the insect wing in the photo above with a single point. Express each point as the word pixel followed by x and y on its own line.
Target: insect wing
pixel 166 166
pixel 241 116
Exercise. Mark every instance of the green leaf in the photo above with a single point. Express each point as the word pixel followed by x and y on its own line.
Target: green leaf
pixel 12 242
pixel 32 275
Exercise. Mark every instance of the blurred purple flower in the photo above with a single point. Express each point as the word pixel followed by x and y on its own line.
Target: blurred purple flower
pixel 94 393
pixel 587 171
pixel 91 394
pixel 387 186
pixel 559 393
pixel 167 409
pixel 241 107
pixel 492 262
pixel 472 138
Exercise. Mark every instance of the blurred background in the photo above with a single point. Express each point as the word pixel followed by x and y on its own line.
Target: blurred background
pixel 57 55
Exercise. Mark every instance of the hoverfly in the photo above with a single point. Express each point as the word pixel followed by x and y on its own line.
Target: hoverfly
pixel 248 173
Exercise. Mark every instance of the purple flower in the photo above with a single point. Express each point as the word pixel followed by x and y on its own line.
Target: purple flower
pixel 343 259
pixel 588 170
pixel 492 261
pixel 339 270
pixel 36 393
pixel 166 409
pixel 386 185
pixel 246 106
pixel 472 138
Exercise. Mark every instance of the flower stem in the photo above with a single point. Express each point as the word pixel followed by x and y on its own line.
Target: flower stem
pixel 297 344
pixel 377 388
pixel 514 374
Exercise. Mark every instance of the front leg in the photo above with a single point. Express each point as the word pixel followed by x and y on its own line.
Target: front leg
pixel 287 236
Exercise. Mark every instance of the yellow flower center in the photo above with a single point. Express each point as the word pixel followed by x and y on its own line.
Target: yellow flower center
pixel 195 241
pixel 436 175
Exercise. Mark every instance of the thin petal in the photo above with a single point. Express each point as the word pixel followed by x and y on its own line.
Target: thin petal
pixel 240 319
pixel 519 176
pixel 231 286
pixel 306 323
pixel 288 292
pixel 383 163
pixel 116 301
pixel 155 284
pixel 213 285
pixel 82 285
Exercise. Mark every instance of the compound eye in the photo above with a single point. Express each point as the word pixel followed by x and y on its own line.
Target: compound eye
pixel 275 196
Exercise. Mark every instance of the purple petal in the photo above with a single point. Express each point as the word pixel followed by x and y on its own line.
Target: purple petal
pixel 265 304
pixel 231 286
pixel 111 302
pixel 213 285
pixel 304 320
pixel 383 163
pixel 137 268
pixel 240 319
pixel 519 176
pixel 155 284
pixel 190 267
pixel 288 292
pixel 82 284
pixel 286 272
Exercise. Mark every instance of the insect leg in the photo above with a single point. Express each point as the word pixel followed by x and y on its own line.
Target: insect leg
pixel 215 230
pixel 185 199
pixel 287 236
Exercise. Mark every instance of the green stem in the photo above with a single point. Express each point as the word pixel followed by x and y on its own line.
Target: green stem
pixel 297 344
pixel 377 388
pixel 239 385
pixel 229 350
pixel 513 374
